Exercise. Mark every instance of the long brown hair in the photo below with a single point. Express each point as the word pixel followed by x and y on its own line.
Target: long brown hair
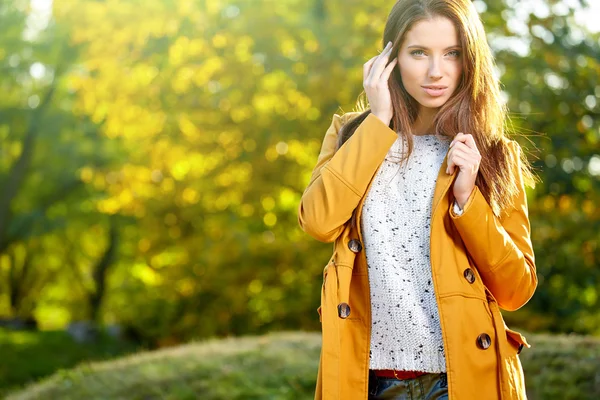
pixel 475 107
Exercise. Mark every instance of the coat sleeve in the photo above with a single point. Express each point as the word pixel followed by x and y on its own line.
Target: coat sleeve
pixel 501 248
pixel 340 180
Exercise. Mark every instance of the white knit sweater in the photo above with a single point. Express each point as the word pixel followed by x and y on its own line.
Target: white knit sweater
pixel 406 332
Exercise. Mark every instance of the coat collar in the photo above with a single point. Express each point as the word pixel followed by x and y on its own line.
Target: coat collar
pixel 442 186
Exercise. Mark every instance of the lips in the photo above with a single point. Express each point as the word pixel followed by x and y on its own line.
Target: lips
pixel 435 90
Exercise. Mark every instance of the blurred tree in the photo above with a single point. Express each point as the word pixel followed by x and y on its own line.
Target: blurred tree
pixel 549 65
pixel 42 148
pixel 197 125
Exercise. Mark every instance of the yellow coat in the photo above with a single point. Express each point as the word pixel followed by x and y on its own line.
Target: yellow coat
pixel 480 263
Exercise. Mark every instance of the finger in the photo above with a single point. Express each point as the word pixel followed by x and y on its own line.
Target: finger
pixel 379 65
pixel 459 137
pixel 367 67
pixel 465 151
pixel 388 70
pixel 466 163
pixel 471 142
pixel 467 139
pixel 450 167
pixel 461 146
pixel 466 154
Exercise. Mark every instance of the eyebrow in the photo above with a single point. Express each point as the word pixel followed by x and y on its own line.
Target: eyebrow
pixel 426 48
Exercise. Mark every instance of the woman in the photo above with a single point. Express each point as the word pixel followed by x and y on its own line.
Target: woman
pixel 423 195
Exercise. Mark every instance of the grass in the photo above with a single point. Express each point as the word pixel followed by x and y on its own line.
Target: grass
pixel 275 366
pixel 29 356
pixel 283 366
pixel 562 367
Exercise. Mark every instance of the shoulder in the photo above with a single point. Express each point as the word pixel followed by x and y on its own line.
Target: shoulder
pixel 344 117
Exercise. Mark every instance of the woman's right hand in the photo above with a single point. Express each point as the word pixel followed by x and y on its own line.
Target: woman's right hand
pixel 376 73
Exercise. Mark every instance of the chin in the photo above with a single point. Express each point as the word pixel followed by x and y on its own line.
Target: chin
pixel 433 103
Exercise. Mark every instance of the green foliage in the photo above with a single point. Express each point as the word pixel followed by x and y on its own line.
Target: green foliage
pixel 30 356
pixel 194 126
pixel 284 366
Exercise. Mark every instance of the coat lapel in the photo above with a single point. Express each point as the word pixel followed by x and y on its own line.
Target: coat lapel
pixel 442 184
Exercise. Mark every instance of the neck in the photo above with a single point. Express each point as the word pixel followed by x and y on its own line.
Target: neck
pixel 423 125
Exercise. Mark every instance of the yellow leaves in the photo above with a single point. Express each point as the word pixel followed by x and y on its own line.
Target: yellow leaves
pixel 144 245
pixel 241 114
pixel 249 145
pixel 361 19
pixel 276 81
pixel 288 48
pixel 109 206
pixel 236 174
pixel 255 287
pixel 180 169
pixel 246 210
pixel 213 7
pixel 203 73
pixel 188 128
pixel 311 46
pixel 4 262
pixel 313 114
pixel 167 185
pixel 300 68
pixel 185 49
pixel 146 274
pixel 190 196
pixel 186 286
pixel 86 174
pixel 265 103
pixel 589 207
pixel 184 7
pixel 303 152
pixel 182 80
pixel 271 154
pixel 279 95
pixel 268 203
pixel 565 203
pixel 270 219
pixel 15 149
pixel 243 48
pixel 548 203
pixel 288 199
pixel 142 75
pixel 219 41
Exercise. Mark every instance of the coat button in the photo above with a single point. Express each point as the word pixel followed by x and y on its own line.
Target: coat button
pixel 484 341
pixel 343 310
pixel 469 275
pixel 354 245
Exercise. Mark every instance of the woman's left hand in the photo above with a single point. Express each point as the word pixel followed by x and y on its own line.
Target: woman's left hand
pixel 463 154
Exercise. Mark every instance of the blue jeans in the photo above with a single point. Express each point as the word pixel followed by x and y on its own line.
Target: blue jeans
pixel 424 387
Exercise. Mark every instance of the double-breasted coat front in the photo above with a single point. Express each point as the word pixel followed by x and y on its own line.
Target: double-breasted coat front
pixel 480 263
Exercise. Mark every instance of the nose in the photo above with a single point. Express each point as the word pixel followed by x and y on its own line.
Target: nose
pixel 435 72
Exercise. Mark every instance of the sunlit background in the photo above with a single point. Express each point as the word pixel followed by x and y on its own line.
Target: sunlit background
pixel 153 154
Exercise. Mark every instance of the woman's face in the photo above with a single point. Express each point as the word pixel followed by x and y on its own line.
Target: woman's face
pixel 430 61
